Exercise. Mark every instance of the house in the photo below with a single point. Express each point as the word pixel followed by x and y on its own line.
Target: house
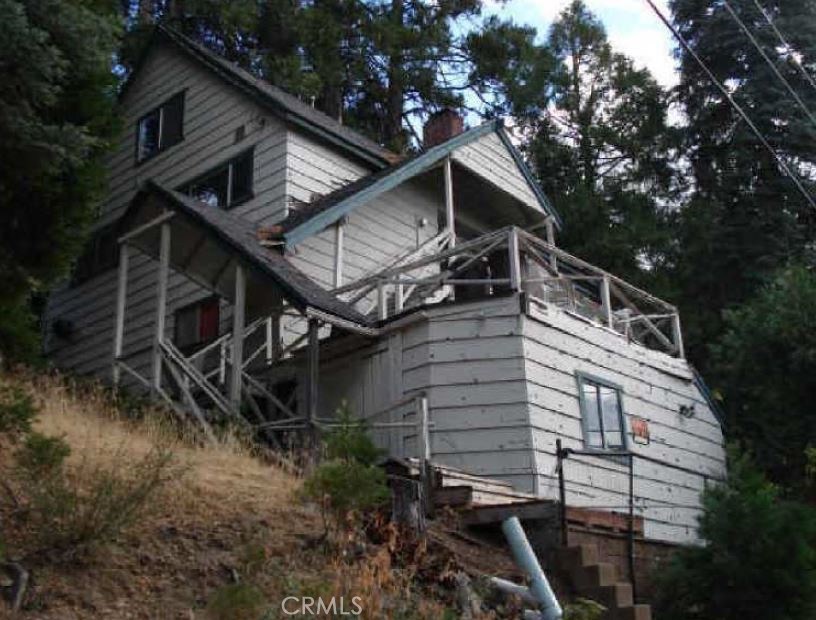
pixel 427 292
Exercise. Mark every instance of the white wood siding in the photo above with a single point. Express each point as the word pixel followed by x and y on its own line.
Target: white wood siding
pixel 489 158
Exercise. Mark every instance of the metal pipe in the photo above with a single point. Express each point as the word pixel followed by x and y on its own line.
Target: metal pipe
pixel 514 589
pixel 527 561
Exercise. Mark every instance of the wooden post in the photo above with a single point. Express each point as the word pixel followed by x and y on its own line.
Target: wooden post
pixel 606 301
pixel 515 259
pixel 274 342
pixel 121 302
pixel 550 231
pixel 450 216
pixel 238 314
pixel 562 492
pixel 313 377
pixel 161 303
pixel 677 335
pixel 424 449
pixel 382 301
pixel 338 253
pixel 399 298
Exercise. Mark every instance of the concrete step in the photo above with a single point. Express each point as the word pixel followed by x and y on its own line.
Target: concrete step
pixel 634 612
pixel 616 596
pixel 594 576
pixel 569 558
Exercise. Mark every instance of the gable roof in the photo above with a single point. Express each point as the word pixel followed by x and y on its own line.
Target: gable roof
pixel 239 237
pixel 289 108
pixel 327 209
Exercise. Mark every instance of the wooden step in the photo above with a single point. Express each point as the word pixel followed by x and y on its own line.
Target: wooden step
pixel 577 556
pixel 593 576
pixel 615 596
pixel 453 496
pixel 634 612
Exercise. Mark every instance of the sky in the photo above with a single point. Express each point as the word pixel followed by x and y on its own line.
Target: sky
pixel 632 27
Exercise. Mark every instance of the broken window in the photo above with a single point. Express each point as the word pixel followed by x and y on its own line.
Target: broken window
pixel 160 128
pixel 225 186
pixel 197 323
pixel 601 413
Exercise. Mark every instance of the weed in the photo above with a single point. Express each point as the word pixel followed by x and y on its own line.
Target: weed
pixel 16 411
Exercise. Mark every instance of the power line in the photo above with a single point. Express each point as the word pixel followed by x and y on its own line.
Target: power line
pixel 780 162
pixel 768 60
pixel 786 45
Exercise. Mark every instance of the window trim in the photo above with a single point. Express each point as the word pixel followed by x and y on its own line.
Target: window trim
pixel 160 109
pixel 583 377
pixel 185 187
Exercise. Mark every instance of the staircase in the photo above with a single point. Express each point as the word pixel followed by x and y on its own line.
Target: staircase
pixel 598 581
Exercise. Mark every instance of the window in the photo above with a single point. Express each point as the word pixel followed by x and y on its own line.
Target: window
pixel 602 414
pixel 197 323
pixel 161 128
pixel 224 186
pixel 100 254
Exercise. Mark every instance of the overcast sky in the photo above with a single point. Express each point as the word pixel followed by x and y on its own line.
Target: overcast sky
pixel 632 27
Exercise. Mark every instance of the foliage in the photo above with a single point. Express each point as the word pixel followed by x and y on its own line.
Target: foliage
pixel 19 334
pixel 56 102
pixel 764 364
pixel 349 481
pixel 16 410
pixel 583 609
pixel 42 456
pixel 236 601
pixel 602 149
pixel 758 560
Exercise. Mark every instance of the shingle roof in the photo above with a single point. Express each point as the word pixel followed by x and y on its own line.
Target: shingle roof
pixel 241 236
pixel 285 105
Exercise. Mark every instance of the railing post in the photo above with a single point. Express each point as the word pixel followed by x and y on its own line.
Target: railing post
pixel 606 301
pixel 382 301
pixel 121 302
pixel 550 228
pixel 222 363
pixel 399 298
pixel 238 314
pixel 562 492
pixel 313 370
pixel 677 335
pixel 161 303
pixel 450 216
pixel 515 259
pixel 424 448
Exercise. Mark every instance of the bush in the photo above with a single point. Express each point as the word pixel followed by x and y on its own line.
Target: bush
pixel 759 557
pixel 236 601
pixel 349 481
pixel 19 335
pixel 16 411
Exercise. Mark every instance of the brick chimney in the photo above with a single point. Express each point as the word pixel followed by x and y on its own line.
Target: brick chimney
pixel 442 126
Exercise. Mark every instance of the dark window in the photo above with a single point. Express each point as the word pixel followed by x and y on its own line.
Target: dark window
pixel 197 323
pixel 602 414
pixel 226 186
pixel 161 128
pixel 100 254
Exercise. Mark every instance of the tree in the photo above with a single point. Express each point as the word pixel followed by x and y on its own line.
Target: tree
pixel 764 364
pixel 602 149
pixel 56 115
pixel 744 218
pixel 758 560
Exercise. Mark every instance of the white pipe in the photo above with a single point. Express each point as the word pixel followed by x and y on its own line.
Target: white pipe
pixel 527 561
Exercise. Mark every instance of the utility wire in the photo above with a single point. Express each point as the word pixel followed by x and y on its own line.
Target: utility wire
pixel 786 45
pixel 768 60
pixel 780 162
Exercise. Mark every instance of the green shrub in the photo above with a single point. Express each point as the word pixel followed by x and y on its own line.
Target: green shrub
pixel 42 456
pixel 236 601
pixel 349 481
pixel 584 609
pixel 19 335
pixel 16 410
pixel 758 560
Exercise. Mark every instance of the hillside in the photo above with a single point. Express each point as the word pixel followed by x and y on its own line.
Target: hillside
pixel 224 535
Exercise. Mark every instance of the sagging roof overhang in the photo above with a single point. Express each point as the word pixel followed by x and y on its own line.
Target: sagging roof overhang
pixel 325 211
pixel 205 242
pixel 287 107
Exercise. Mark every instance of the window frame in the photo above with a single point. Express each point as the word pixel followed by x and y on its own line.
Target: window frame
pixel 229 164
pixel 582 378
pixel 161 148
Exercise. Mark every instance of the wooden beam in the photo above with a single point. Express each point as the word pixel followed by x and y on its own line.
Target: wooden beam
pixel 338 252
pixel 606 301
pixel 550 231
pixel 238 315
pixel 161 302
pixel 121 302
pixel 313 376
pixel 450 216
pixel 156 221
pixel 515 259
pixel 677 335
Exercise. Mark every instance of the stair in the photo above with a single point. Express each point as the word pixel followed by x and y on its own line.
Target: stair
pixel 598 581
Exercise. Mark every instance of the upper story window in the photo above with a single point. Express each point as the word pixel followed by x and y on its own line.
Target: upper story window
pixel 601 414
pixel 100 254
pixel 161 128
pixel 197 323
pixel 226 185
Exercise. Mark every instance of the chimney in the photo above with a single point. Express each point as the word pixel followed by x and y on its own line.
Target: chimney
pixel 441 126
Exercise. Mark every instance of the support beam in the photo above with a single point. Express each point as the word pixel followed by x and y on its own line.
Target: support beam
pixel 121 301
pixel 514 258
pixel 161 303
pixel 606 301
pixel 238 314
pixel 677 335
pixel 313 377
pixel 450 216
pixel 550 230
pixel 338 252
pixel 160 220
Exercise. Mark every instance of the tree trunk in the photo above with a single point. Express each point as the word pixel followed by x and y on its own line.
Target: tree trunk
pixel 392 127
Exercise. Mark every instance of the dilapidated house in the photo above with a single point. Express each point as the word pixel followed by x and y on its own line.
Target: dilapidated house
pixel 256 259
